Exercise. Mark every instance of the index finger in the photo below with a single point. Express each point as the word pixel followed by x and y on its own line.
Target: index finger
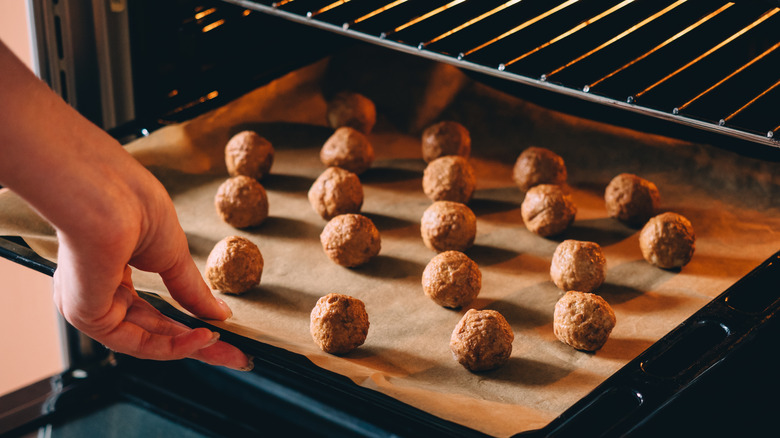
pixel 187 287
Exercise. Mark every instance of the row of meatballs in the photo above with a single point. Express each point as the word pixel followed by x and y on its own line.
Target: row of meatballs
pixel 482 339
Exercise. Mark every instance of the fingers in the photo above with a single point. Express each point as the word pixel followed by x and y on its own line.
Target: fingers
pixel 136 341
pixel 222 353
pixel 145 316
pixel 186 286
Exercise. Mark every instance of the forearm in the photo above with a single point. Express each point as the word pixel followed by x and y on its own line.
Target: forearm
pixel 52 156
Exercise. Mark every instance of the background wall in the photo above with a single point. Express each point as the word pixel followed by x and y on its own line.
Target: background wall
pixel 30 347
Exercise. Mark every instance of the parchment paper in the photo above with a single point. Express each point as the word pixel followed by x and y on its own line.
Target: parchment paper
pixel 731 201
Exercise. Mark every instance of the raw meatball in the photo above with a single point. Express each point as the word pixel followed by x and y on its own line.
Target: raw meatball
pixel 445 138
pixel 547 210
pixel 578 265
pixel 448 225
pixel 242 202
pixel 336 191
pixel 482 340
pixel 351 109
pixel 631 199
pixel 348 149
pixel 667 240
pixel 451 279
pixel 583 320
pixel 339 323
pixel 234 266
pixel 249 154
pixel 350 240
pixel 449 178
pixel 536 166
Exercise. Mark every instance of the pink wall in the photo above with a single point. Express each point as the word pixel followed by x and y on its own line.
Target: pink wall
pixel 29 331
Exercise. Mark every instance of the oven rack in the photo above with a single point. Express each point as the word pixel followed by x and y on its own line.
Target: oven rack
pixel 712 66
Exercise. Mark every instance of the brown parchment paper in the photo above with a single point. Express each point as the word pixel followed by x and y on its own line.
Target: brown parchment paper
pixel 731 201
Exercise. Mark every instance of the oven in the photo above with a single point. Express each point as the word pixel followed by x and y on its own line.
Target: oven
pixel 696 80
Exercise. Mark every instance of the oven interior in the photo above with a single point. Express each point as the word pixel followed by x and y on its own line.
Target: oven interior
pixel 701 70
pixel 633 61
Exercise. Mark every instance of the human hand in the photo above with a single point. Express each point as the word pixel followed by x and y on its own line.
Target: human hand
pixel 110 213
pixel 93 287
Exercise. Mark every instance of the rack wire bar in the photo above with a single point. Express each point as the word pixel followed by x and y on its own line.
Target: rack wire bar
pixel 475 35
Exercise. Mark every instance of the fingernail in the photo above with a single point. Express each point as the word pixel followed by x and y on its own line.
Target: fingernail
pixel 224 307
pixel 250 364
pixel 214 339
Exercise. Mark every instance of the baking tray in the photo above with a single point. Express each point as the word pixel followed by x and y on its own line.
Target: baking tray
pixel 720 361
pixel 634 398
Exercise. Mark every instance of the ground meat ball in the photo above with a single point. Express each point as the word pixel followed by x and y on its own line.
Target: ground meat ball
pixel 242 202
pixel 631 199
pixel 578 265
pixel 451 279
pixel 234 266
pixel 547 210
pixel 445 138
pixel 448 225
pixel 583 320
pixel 449 178
pixel 339 323
pixel 336 191
pixel 348 149
pixel 536 166
pixel 350 240
pixel 249 154
pixel 351 109
pixel 667 241
pixel 482 340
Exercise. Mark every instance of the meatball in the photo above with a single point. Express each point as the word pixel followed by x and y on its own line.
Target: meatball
pixel 351 109
pixel 536 166
pixel 482 340
pixel 336 191
pixel 667 240
pixel 547 210
pixel 449 178
pixel 350 240
pixel 249 154
pixel 242 202
pixel 348 149
pixel 631 199
pixel 448 225
pixel 339 323
pixel 583 320
pixel 451 279
pixel 445 138
pixel 578 265
pixel 234 265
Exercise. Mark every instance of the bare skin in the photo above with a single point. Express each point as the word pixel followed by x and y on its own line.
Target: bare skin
pixel 110 213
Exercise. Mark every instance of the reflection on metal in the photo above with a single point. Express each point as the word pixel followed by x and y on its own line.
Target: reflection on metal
pixel 665 43
pixel 213 25
pixel 762 94
pixel 202 14
pixel 376 12
pixel 618 37
pixel 712 50
pixel 572 30
pixel 327 8
pixel 200 100
pixel 430 14
pixel 734 73
pixel 520 27
pixel 472 21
